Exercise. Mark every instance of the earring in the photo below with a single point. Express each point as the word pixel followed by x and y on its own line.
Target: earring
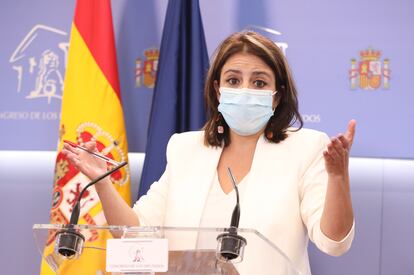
pixel 220 128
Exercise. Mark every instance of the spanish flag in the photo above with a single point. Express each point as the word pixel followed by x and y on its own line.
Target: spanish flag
pixel 91 110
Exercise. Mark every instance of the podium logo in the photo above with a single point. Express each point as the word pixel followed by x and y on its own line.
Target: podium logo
pixel 369 73
pixel 39 61
pixel 137 254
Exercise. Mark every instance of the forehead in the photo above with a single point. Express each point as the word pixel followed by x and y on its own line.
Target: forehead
pixel 245 62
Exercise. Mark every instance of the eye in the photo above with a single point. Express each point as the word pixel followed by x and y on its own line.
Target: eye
pixel 259 83
pixel 233 81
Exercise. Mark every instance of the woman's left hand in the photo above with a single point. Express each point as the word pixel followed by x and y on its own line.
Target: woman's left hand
pixel 337 217
pixel 337 153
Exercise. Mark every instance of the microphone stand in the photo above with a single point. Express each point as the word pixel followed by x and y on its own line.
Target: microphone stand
pixel 69 242
pixel 231 245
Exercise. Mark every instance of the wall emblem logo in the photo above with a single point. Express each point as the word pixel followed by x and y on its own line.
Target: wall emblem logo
pixel 39 61
pixel 146 70
pixel 370 73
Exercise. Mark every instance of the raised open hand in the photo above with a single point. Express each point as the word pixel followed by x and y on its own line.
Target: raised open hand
pixel 85 162
pixel 337 153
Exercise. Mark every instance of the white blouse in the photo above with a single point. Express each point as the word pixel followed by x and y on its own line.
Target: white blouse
pixel 218 210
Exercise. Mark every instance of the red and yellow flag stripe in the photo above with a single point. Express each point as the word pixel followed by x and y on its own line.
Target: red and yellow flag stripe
pixel 91 109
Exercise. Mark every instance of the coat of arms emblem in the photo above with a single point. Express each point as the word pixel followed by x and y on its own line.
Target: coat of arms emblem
pixel 369 73
pixel 146 71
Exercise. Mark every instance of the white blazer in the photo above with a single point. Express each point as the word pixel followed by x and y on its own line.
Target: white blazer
pixel 284 198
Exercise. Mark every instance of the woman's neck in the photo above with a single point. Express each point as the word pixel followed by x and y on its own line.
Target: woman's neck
pixel 238 142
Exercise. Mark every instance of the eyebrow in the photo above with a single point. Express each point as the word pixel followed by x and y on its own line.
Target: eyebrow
pixel 232 71
pixel 262 73
pixel 254 73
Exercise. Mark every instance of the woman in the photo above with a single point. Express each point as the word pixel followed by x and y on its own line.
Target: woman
pixel 294 182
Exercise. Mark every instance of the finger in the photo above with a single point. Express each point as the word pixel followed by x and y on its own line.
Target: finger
pixel 350 132
pixel 338 146
pixel 91 146
pixel 332 153
pixel 328 158
pixel 70 156
pixel 70 148
pixel 332 150
pixel 344 141
pixel 77 163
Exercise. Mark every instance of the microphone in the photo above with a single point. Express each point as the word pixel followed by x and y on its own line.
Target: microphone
pixel 69 242
pixel 231 245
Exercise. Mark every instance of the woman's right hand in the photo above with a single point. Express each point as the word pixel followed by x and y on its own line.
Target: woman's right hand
pixel 85 162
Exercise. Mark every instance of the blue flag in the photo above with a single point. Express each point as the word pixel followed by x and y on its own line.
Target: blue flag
pixel 178 102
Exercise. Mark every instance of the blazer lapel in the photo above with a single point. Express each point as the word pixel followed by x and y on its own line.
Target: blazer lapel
pixel 249 203
pixel 197 186
pixel 212 157
pixel 204 173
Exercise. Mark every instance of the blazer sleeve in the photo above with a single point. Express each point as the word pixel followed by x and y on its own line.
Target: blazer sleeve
pixel 151 207
pixel 313 186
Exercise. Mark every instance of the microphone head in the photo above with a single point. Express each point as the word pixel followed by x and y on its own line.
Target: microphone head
pixel 69 243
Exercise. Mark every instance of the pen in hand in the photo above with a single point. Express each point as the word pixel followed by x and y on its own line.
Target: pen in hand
pixel 92 153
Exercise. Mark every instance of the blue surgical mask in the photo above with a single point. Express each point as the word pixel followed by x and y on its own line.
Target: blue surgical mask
pixel 246 111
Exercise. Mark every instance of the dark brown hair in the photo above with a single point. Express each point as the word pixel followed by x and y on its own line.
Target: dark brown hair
pixel 286 113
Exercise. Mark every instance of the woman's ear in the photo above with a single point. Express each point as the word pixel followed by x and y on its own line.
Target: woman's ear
pixel 217 89
pixel 276 100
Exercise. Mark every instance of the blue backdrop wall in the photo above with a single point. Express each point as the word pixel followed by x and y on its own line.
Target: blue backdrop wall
pixel 350 59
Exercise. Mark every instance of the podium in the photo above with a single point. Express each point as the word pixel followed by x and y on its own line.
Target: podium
pixel 190 250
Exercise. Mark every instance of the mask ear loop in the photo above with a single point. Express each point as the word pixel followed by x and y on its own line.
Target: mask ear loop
pixel 274 109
